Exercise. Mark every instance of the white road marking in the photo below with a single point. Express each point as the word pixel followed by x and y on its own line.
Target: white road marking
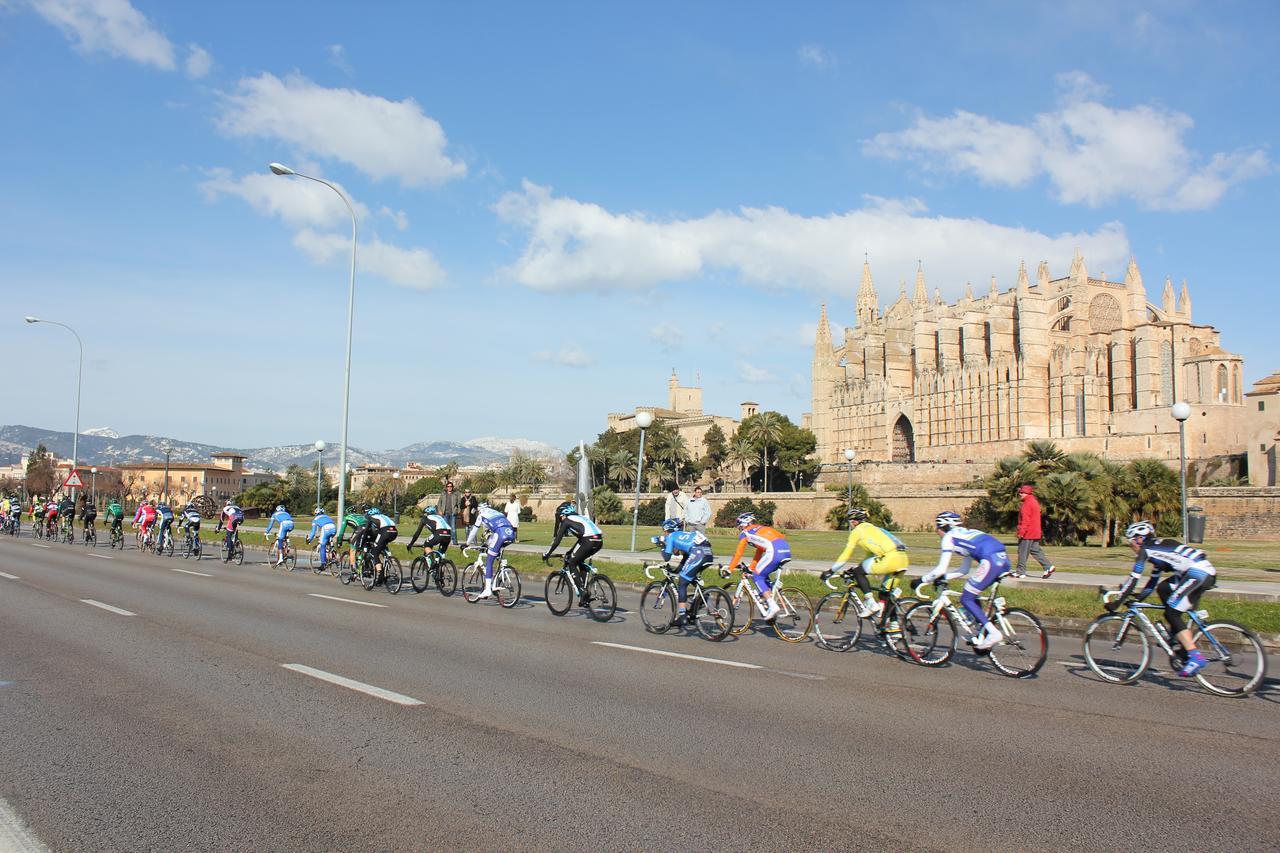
pixel 677 655
pixel 9 576
pixel 189 572
pixel 14 835
pixel 117 610
pixel 347 600
pixel 37 545
pixel 358 686
pixel 101 556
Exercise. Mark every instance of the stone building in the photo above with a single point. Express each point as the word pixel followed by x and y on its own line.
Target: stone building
pixel 684 413
pixel 1088 363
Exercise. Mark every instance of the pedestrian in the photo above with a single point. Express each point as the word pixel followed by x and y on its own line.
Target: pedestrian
pixel 676 505
pixel 1030 534
pixel 718 484
pixel 513 515
pixel 697 514
pixel 468 510
pixel 449 508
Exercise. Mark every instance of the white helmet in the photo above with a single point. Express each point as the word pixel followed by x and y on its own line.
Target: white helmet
pixel 1139 530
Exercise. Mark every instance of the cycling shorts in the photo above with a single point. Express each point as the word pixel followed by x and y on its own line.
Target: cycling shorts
pixel 988 572
pixel 892 563
pixel 775 554
pixel 499 539
pixel 698 558
pixel 286 527
pixel 1184 592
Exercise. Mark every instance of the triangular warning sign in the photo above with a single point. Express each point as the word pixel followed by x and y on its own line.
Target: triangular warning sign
pixel 73 481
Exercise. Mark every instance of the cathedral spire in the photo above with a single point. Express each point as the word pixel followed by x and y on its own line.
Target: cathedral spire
pixel 995 291
pixel 1133 278
pixel 1184 301
pixel 1042 277
pixel 868 302
pixel 1167 302
pixel 1079 274
pixel 922 295
pixel 968 290
pixel 1024 286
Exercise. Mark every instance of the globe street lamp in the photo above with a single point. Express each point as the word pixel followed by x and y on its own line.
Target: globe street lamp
pixel 75 439
pixel 1180 412
pixel 280 169
pixel 93 488
pixel 848 457
pixel 643 420
pixel 319 446
pixel 395 496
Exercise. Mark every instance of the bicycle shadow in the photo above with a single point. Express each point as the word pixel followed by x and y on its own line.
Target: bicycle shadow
pixel 578 612
pixel 1163 676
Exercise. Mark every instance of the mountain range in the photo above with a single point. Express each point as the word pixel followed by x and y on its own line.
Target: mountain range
pixel 104 446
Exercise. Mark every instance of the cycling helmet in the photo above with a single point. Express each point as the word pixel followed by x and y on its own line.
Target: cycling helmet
pixel 431 510
pixel 228 503
pixel 319 510
pixel 671 525
pixel 566 508
pixel 373 510
pixel 483 505
pixel 279 507
pixel 1139 530
pixel 746 518
pixel 947 520
pixel 857 513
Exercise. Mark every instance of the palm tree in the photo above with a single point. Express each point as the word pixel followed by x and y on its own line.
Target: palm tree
pixel 622 467
pixel 766 430
pixel 1155 489
pixel 742 454
pixel 1069 506
pixel 596 457
pixel 670 447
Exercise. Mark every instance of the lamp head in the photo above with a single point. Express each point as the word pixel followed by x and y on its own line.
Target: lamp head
pixel 849 454
pixel 1181 411
pixel 395 475
pixel 93 470
pixel 320 446
pixel 644 420
pixel 32 319
pixel 281 169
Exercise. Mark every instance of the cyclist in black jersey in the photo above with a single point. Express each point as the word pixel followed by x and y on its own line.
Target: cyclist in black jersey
pixel 439 532
pixel 590 539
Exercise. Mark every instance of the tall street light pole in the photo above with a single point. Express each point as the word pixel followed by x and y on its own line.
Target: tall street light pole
pixel 1182 411
pixel 643 420
pixel 75 439
pixel 167 450
pixel 848 457
pixel 395 496
pixel 320 446
pixel 280 169
pixel 93 488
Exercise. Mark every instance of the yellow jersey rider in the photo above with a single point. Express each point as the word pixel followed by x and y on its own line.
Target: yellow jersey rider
pixel 886 555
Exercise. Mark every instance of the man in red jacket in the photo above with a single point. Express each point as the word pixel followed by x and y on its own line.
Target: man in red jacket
pixel 1030 534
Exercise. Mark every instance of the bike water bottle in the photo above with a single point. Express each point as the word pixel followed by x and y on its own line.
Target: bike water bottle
pixel 1202 614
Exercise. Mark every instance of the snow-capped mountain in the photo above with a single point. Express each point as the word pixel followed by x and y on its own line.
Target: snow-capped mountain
pixel 507 446
pixel 102 432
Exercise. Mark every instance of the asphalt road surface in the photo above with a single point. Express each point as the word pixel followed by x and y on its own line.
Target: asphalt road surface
pixel 158 703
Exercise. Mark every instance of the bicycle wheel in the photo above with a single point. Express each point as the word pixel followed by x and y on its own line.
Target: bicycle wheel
pixel 795 619
pixel 368 571
pixel 1237 663
pixel 1025 645
pixel 658 607
pixel 1116 649
pixel 273 556
pixel 418 574
pixel 197 548
pixel 506 586
pixel 313 559
pixel 290 558
pixel 346 573
pixel 472 582
pixel 391 574
pixel 559 592
pixel 446 578
pixel 714 619
pixel 836 622
pixel 168 545
pixel 932 641
pixel 602 598
pixel 744 609
pixel 895 633
pixel 239 552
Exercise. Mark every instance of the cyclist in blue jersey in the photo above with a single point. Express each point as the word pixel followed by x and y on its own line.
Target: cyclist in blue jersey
pixel 695 555
pixel 164 521
pixel 1190 574
pixel 281 517
pixel 590 539
pixel 501 534
pixel 322 525
pixel 993 563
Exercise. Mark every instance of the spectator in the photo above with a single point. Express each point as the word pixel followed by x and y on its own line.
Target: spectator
pixel 468 506
pixel 449 508
pixel 698 513
pixel 513 515
pixel 1030 534
pixel 675 506
pixel 718 484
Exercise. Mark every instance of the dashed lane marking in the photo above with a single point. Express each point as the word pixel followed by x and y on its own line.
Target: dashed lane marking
pixel 189 572
pixel 37 545
pixel 347 600
pixel 8 576
pixel 350 684
pixel 14 835
pixel 108 607
pixel 698 658
pixel 101 556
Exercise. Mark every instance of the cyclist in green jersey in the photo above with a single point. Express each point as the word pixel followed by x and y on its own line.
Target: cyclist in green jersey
pixel 357 521
pixel 114 516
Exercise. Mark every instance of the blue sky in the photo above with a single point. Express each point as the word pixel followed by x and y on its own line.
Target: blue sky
pixel 559 203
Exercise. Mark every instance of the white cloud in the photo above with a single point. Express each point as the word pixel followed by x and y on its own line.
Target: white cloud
pixel 382 138
pixel 338 59
pixel 667 336
pixel 756 375
pixel 112 27
pixel 299 203
pixel 1090 152
pixel 570 356
pixel 816 55
pixel 574 245
pixel 398 217
pixel 415 267
pixel 199 62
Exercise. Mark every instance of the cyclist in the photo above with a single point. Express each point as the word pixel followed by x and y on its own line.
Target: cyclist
pixel 88 516
pixel 379 532
pixel 695 555
pixel 164 515
pixel 1190 574
pixel 772 550
pixel 144 518
pixel 37 515
pixel 50 518
pixel 501 534
pixel 115 516
pixel 357 521
pixel 190 521
pixel 8 508
pixel 67 512
pixel 886 555
pixel 438 527
pixel 232 517
pixel 281 517
pixel 590 539
pixel 323 525
pixel 993 564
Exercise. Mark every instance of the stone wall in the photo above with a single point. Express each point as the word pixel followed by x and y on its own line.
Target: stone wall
pixel 1239 512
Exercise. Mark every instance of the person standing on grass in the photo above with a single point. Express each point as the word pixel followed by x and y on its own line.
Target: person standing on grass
pixel 449 508
pixel 468 510
pixel 1030 534
pixel 698 513
pixel 512 510
pixel 676 505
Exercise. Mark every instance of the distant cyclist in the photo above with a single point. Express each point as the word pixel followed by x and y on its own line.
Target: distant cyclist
pixel 231 518
pixel 164 518
pixel 356 521
pixel 695 555
pixel 281 517
pixel 501 534
pixel 1190 574
pixel 993 564
pixel 144 517
pixel 886 555
pixel 67 511
pixel 772 550
pixel 379 532
pixel 322 525
pixel 190 520
pixel 114 517
pixel 439 531
pixel 588 536
pixel 89 515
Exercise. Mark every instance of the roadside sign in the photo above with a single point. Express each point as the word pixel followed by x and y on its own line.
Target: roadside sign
pixel 73 481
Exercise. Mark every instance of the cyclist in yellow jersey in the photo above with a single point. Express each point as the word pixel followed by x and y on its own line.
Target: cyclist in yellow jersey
pixel 886 555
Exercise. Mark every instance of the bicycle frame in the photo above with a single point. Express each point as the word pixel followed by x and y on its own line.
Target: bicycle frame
pixel 946 600
pixel 1148 627
pixel 671 578
pixel 748 584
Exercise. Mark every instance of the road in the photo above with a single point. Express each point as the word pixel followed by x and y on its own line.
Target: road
pixel 202 719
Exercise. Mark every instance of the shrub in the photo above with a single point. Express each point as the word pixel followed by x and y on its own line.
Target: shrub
pixel 526 513
pixel 607 506
pixel 651 511
pixel 728 514
pixel 880 514
pixel 792 521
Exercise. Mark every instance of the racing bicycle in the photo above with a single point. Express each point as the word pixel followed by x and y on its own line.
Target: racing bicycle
pixel 117 536
pixel 506 580
pixel 332 559
pixel 90 536
pixel 795 616
pixel 289 559
pixel 233 552
pixel 588 586
pixel 838 618
pixel 433 567
pixel 710 609
pixel 191 545
pixel 933 625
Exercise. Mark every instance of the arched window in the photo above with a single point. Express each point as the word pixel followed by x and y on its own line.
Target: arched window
pixel 1235 383
pixel 1220 386
pixel 986 337
pixel 1166 373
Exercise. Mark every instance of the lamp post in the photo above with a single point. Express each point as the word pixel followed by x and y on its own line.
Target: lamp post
pixel 643 420
pixel 1180 412
pixel 395 496
pixel 75 438
pixel 280 169
pixel 93 487
pixel 848 457
pixel 319 445
pixel 167 450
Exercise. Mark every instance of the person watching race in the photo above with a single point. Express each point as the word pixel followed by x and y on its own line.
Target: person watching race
pixel 500 535
pixel 588 536
pixel 356 520
pixel 164 516
pixel 1190 574
pixel 992 564
pixel 886 556
pixel 695 555
pixel 281 517
pixel 322 525
pixel 231 518
pixel 440 532
pixel 772 550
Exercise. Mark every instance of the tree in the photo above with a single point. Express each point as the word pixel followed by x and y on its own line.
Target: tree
pixel 670 447
pixel 764 430
pixel 607 506
pixel 447 471
pixel 422 488
pixel 622 467
pixel 1155 490
pixel 717 448
pixel 795 455
pixel 878 513
pixel 742 454
pixel 42 476
pixel 728 514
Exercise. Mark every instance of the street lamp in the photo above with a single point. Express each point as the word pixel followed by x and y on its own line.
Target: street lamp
pixel 168 449
pixel 280 169
pixel 1180 412
pixel 395 496
pixel 75 439
pixel 643 420
pixel 93 488
pixel 848 457
pixel 319 445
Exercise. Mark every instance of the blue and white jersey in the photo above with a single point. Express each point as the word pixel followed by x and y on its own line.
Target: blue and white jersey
pixel 280 517
pixel 971 545
pixel 439 523
pixel 493 520
pixel 318 525
pixel 1170 555
pixel 380 521
pixel 164 511
pixel 191 517
pixel 683 542
pixel 589 527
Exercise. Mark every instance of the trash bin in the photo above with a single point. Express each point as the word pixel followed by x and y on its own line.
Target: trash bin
pixel 1195 524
